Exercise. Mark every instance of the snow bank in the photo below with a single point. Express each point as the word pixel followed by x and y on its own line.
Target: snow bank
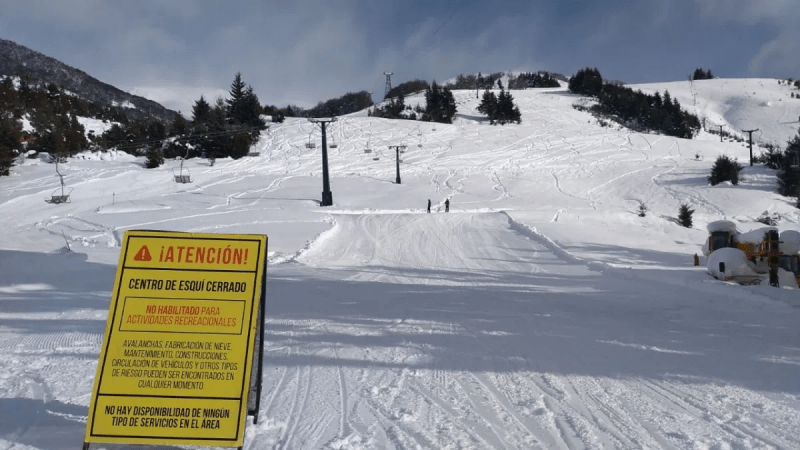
pixel 110 155
pixel 755 236
pixel 722 225
pixel 786 279
pixel 790 242
pixel 736 264
pixel 97 126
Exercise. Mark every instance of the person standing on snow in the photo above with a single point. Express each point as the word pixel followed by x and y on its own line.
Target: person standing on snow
pixel 429 205
pixel 447 205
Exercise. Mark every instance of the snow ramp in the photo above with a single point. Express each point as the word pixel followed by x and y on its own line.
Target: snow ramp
pixel 447 248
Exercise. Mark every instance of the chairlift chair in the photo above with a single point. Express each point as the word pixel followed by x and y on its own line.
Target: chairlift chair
pixel 181 177
pixel 254 153
pixel 310 143
pixel 795 160
pixel 368 150
pixel 63 196
pixel 375 158
pixel 333 143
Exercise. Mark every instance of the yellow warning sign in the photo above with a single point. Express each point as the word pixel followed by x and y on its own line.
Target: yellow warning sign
pixel 177 354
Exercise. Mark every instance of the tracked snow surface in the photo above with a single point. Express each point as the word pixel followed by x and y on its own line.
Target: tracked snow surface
pixel 540 312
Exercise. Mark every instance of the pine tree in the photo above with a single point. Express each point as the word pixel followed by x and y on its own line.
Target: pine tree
pixel 251 109
pixel 440 105
pixel 448 105
pixel 201 111
pixel 154 157
pixel 180 126
pixel 216 145
pixel 724 169
pixel 236 102
pixel 488 105
pixel 501 108
pixel 685 215
pixel 75 136
pixel 505 107
pixel 9 144
pixel 587 82
pixel 789 175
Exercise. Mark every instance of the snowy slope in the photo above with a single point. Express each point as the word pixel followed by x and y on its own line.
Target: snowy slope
pixel 739 104
pixel 540 312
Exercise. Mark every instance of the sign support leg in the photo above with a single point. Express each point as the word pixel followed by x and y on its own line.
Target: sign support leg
pixel 260 345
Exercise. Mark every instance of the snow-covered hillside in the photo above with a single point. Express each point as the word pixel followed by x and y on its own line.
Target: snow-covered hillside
pixel 739 104
pixel 540 312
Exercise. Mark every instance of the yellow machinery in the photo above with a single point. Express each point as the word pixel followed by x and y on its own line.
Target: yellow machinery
pixel 761 247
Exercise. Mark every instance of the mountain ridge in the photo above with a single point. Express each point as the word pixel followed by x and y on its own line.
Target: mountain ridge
pixel 18 60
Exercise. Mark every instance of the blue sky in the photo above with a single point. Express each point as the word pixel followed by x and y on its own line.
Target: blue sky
pixel 307 51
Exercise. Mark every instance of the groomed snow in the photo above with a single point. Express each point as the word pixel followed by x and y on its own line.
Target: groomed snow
pixel 540 312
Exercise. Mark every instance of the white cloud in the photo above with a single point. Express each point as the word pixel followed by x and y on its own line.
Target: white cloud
pixel 749 12
pixel 779 54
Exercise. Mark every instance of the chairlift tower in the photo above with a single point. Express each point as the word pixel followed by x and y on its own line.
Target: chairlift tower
pixel 750 132
pixel 327 195
pixel 388 83
pixel 398 149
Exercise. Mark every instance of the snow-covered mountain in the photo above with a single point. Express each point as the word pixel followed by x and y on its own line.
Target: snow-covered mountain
pixel 540 312
pixel 17 60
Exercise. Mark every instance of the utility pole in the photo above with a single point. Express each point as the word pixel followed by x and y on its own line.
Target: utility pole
pixel 750 132
pixel 720 133
pixel 327 195
pixel 388 83
pixel 397 153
